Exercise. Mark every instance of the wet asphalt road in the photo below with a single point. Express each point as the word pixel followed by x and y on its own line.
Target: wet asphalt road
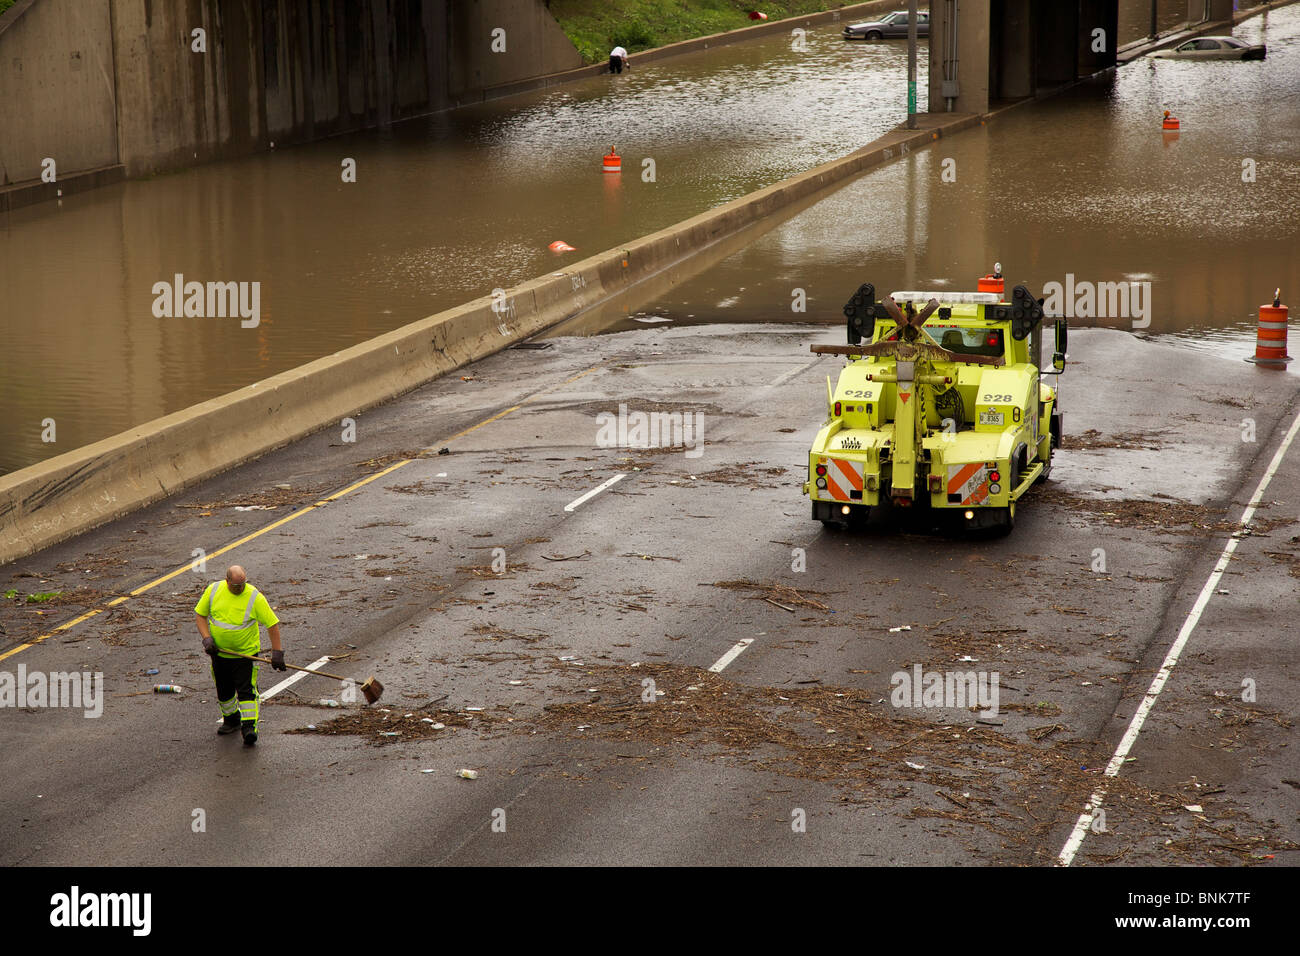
pixel 396 576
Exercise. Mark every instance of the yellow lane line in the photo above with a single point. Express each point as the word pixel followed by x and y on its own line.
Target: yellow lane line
pixel 68 625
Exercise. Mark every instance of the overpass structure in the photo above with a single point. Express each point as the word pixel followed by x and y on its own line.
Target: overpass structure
pixel 987 51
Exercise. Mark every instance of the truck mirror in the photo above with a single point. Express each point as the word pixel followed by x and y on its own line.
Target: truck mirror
pixel 1062 336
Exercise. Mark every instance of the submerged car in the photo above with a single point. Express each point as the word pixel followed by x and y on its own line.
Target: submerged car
pixel 1213 48
pixel 890 25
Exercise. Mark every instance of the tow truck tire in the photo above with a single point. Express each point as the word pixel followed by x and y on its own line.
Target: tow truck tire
pixel 830 524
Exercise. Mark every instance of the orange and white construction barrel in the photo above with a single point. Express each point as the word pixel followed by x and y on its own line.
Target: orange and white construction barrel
pixel 1270 336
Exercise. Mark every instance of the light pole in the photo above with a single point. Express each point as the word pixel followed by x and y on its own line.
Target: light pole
pixel 911 64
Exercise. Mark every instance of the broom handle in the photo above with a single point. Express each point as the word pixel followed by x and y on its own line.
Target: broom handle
pixel 306 670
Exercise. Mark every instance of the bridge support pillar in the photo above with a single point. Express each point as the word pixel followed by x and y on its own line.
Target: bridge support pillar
pixel 1098 35
pixel 959 56
pixel 1014 54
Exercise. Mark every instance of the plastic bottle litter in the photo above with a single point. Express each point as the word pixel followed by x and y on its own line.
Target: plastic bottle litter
pixel 325 702
pixel 467 774
pixel 167 688
pixel 151 671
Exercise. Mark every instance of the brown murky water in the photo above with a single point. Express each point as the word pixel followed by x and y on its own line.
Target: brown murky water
pixel 1084 184
pixel 449 207
pixel 444 209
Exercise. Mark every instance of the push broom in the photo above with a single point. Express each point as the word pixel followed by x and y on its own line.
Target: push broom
pixel 371 688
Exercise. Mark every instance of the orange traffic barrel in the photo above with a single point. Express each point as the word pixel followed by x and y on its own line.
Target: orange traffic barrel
pixel 1170 122
pixel 1270 337
pixel 613 162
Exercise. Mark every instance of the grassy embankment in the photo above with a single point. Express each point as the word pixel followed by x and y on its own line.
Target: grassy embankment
pixel 597 26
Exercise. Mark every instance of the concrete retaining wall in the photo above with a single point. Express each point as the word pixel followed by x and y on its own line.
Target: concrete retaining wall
pixel 101 83
pixel 114 84
pixel 76 491
pixel 56 89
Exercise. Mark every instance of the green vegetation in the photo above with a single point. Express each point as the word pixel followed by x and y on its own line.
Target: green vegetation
pixel 12 592
pixel 5 5
pixel 42 597
pixel 597 26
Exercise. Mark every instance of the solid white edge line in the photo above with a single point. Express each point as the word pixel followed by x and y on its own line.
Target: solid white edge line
pixel 594 491
pixel 1084 822
pixel 720 664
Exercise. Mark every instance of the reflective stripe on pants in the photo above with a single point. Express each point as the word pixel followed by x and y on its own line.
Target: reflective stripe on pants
pixel 236 680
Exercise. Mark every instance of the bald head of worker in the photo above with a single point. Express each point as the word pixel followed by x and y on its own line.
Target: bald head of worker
pixel 235 578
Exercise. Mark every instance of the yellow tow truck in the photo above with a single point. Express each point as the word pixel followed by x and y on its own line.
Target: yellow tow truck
pixel 940 406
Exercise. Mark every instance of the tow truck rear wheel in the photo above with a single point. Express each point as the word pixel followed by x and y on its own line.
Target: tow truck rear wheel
pixel 826 514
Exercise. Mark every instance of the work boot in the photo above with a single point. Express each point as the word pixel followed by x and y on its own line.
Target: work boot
pixel 250 735
pixel 229 725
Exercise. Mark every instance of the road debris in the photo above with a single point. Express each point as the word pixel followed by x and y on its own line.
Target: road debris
pixel 774 592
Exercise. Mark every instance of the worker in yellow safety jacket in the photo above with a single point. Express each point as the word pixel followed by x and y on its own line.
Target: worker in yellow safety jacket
pixel 228 618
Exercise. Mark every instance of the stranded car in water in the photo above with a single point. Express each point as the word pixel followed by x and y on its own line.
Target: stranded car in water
pixel 1212 48
pixel 890 25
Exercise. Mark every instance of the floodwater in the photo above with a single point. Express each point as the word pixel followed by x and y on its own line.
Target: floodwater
pixel 449 207
pixel 1084 184
pixel 444 209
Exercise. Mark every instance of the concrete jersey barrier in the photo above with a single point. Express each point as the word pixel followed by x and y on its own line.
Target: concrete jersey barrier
pixel 81 489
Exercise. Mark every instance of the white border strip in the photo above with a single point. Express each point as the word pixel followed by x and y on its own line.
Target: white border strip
pixel 572 505
pixel 1084 822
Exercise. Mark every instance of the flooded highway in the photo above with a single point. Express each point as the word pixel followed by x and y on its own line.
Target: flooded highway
pixel 1084 184
pixel 444 209
pixel 447 208
pixel 593 583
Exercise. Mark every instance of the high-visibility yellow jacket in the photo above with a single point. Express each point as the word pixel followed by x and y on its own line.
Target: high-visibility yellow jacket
pixel 233 618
